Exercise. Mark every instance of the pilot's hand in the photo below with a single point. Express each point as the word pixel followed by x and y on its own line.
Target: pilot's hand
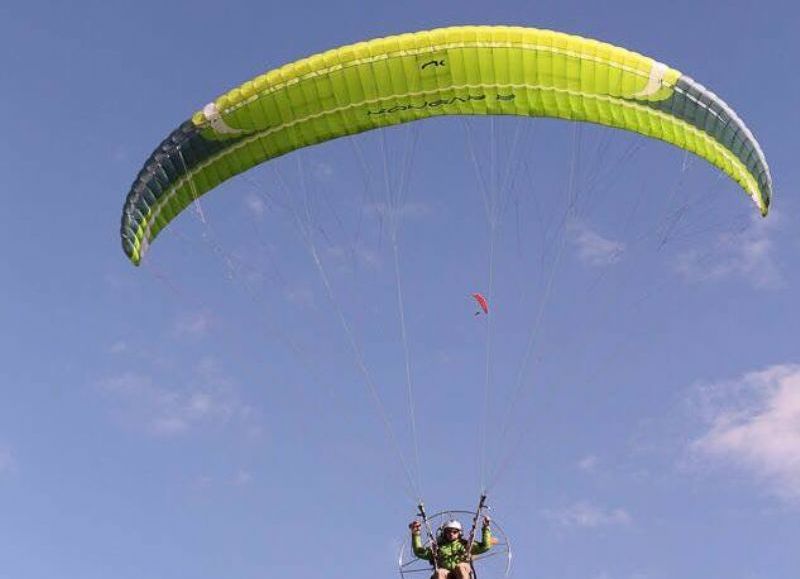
pixel 414 526
pixel 486 522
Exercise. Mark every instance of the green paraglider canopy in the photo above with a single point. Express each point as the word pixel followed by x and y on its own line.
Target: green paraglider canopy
pixel 465 70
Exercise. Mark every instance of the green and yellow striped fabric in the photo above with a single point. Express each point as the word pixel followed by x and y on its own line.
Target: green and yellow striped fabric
pixel 464 70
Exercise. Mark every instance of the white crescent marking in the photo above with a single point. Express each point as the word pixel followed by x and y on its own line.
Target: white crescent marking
pixel 655 80
pixel 214 118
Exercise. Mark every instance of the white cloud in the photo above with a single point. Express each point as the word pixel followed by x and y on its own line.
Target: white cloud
pixel 586 515
pixel 594 249
pixel 753 424
pixel 747 255
pixel 175 410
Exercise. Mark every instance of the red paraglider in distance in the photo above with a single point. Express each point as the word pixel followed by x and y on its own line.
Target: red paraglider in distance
pixel 482 303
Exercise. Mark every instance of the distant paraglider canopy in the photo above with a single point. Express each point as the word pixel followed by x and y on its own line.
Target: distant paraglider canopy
pixel 465 70
pixel 482 303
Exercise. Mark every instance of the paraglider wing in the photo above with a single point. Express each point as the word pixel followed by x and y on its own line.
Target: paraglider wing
pixel 464 70
pixel 484 305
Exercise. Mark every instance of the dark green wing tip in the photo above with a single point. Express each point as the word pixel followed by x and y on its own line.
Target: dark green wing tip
pixel 165 165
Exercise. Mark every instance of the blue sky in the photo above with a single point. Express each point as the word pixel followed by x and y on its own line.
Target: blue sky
pixel 205 415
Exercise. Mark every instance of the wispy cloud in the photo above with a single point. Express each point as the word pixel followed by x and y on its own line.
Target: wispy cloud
pixel 594 249
pixel 203 483
pixel 586 515
pixel 193 324
pixel 242 478
pixel 588 463
pixel 256 205
pixel 347 257
pixel 120 154
pixel 118 347
pixel 300 296
pixel 322 170
pixel 753 424
pixel 170 410
pixel 8 462
pixel 747 255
